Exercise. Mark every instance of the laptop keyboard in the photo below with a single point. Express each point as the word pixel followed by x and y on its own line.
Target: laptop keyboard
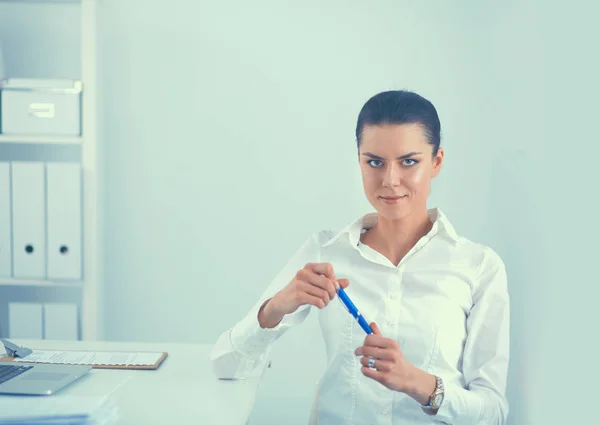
pixel 9 371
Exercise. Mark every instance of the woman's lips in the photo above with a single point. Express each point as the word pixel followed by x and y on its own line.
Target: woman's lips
pixel 393 199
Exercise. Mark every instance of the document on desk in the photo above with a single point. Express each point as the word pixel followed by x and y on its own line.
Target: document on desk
pixel 95 358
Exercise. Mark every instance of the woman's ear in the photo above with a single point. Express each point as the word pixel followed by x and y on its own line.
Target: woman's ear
pixel 438 159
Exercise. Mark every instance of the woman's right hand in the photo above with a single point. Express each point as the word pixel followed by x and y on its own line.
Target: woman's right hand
pixel 315 284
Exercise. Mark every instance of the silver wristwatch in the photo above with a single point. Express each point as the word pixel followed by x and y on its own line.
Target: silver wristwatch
pixel 436 398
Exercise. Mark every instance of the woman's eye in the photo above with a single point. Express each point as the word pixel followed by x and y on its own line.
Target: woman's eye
pixel 375 163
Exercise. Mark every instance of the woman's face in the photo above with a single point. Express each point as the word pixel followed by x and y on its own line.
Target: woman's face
pixel 397 166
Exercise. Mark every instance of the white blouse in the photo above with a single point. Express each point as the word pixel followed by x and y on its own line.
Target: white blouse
pixel 446 304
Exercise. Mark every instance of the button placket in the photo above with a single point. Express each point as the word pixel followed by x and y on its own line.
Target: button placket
pixel 395 293
pixel 392 310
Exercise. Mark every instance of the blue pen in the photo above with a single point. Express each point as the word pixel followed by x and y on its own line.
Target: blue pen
pixel 354 311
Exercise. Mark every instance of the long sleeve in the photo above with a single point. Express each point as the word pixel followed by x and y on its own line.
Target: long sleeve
pixel 246 346
pixel 486 353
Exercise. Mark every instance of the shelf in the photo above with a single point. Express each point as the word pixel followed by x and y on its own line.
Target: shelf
pixel 52 140
pixel 40 283
pixel 39 32
pixel 40 1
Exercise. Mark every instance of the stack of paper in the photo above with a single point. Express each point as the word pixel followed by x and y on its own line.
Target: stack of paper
pixel 57 410
pixel 92 358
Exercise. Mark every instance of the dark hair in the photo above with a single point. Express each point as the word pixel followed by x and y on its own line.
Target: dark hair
pixel 400 107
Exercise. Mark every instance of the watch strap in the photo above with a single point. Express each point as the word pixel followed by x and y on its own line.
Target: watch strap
pixel 439 389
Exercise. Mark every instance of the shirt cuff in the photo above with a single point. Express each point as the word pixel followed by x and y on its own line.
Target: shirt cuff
pixel 228 364
pixel 252 341
pixel 460 406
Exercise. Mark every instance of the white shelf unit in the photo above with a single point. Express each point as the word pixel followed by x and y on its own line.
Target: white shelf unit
pixel 88 287
pixel 40 1
pixel 53 140
pixel 41 283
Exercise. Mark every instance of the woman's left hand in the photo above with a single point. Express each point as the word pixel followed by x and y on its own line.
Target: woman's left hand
pixel 391 367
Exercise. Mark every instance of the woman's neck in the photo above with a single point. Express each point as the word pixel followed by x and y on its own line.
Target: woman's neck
pixel 395 238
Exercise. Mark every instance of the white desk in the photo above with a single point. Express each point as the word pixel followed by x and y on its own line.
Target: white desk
pixel 183 389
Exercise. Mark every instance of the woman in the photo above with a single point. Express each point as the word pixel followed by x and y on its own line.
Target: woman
pixel 440 350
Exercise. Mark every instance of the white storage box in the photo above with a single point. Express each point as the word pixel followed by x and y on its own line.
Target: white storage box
pixel 40 107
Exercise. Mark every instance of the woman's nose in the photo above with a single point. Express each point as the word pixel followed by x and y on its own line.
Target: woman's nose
pixel 392 176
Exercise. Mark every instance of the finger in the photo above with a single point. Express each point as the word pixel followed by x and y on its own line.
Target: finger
pixel 325 269
pixel 308 276
pixel 375 328
pixel 343 283
pixel 305 298
pixel 380 341
pixel 368 361
pixel 315 291
pixel 382 365
pixel 377 375
pixel 378 353
pixel 323 282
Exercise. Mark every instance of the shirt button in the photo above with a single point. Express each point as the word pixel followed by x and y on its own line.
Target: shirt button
pixel 393 297
pixel 390 323
pixel 384 411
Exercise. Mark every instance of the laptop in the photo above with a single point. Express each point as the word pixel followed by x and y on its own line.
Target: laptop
pixel 38 379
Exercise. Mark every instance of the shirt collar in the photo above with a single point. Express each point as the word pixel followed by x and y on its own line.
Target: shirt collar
pixel 354 229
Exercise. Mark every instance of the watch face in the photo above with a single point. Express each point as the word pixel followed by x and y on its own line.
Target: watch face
pixel 437 401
